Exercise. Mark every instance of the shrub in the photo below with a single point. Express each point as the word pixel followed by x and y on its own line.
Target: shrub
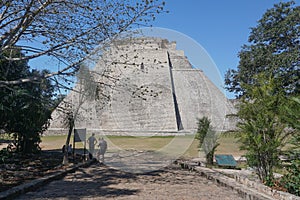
pixel 207 139
pixel 291 181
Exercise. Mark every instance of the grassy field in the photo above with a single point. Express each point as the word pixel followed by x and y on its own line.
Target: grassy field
pixel 228 144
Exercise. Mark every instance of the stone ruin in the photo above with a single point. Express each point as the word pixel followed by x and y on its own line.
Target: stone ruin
pixel 143 86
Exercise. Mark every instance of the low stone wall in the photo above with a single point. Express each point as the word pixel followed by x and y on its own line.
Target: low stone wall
pixel 265 189
pixel 248 189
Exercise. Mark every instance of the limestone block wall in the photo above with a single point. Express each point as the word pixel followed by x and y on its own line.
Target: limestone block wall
pixel 142 98
pixel 179 60
pixel 144 86
pixel 202 98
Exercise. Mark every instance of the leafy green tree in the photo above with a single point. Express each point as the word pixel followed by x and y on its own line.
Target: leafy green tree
pixel 291 117
pixel 25 109
pixel 262 129
pixel 266 79
pixel 273 49
pixel 291 180
pixel 207 139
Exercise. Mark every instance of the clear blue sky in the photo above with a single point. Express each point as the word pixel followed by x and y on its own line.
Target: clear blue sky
pixel 221 27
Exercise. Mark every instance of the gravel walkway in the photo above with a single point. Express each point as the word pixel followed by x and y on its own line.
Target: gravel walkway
pixel 102 182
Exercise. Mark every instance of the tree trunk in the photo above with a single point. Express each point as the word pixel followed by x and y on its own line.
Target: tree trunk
pixel 66 158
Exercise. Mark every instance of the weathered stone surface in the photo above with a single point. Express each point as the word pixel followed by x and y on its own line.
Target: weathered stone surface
pixel 144 86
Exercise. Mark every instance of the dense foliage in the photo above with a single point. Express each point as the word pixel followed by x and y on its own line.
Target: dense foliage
pixel 291 180
pixel 267 82
pixel 263 130
pixel 24 109
pixel 273 49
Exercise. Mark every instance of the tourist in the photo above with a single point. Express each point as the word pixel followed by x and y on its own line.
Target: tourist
pixel 92 142
pixel 102 149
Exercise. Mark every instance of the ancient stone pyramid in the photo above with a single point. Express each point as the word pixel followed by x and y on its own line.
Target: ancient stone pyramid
pixel 143 86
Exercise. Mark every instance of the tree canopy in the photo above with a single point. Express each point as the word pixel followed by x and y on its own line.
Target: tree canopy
pixel 266 82
pixel 26 108
pixel 273 49
pixel 262 126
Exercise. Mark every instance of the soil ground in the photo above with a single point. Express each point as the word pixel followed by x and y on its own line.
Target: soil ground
pixel 101 182
pixel 23 168
pixel 20 169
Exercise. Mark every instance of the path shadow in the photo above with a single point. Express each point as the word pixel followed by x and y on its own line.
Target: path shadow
pixel 98 181
pixel 5 141
pixel 101 182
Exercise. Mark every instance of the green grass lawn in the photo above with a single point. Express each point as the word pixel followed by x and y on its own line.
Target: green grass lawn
pixel 228 144
pixel 139 143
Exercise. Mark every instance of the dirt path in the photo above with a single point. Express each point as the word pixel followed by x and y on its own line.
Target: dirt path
pixel 101 182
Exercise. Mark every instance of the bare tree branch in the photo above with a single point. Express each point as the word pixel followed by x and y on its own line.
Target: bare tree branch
pixel 66 31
